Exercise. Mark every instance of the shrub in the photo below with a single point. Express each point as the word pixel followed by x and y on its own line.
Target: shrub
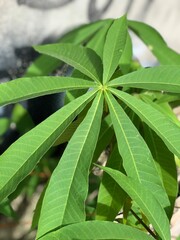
pixel 111 102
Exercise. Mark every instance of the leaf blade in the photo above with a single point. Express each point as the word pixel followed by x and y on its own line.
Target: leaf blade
pixel 76 36
pixel 146 201
pixel 155 43
pixel 64 205
pixel 83 59
pixel 160 78
pixel 97 230
pixel 111 197
pixel 26 88
pixel 166 164
pixel 126 58
pixel 105 136
pixel 169 132
pixel 114 46
pixel 22 156
pixel 97 42
pixel 137 159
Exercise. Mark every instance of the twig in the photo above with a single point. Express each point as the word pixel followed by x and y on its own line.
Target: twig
pixel 144 225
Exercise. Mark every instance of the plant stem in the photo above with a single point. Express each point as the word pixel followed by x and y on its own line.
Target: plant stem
pixel 144 225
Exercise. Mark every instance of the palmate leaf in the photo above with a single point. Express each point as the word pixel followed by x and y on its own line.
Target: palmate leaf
pixel 68 187
pixel 146 201
pixel 160 78
pixel 114 46
pixel 111 197
pixel 97 230
pixel 137 159
pixel 163 126
pixel 83 59
pixel 76 36
pixel 155 43
pixel 23 155
pixel 26 88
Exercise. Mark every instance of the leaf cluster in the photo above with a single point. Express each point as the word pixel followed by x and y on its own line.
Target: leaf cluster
pixel 111 102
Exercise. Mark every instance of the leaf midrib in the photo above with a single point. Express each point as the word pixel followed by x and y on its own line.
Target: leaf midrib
pixel 138 176
pixel 75 169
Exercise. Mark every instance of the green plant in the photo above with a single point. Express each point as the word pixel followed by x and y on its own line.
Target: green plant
pixel 111 101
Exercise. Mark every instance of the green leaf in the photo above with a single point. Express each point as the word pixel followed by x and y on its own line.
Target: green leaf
pixel 160 78
pixel 68 187
pixel 22 119
pixel 67 134
pixel 171 97
pixel 126 58
pixel 137 159
pixel 7 210
pixel 76 36
pixel 23 155
pixel 73 94
pixel 105 137
pixel 37 210
pixel 97 230
pixel 26 88
pixel 144 198
pixel 111 197
pixel 83 33
pixel 163 126
pixel 163 107
pixel 155 43
pixel 97 42
pixel 4 125
pixel 166 165
pixel 114 47
pixel 83 59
